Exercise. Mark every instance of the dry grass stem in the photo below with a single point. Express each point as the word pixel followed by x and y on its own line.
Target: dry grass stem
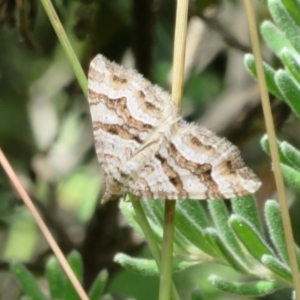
pixel 47 234
pixel 273 147
pixel 177 87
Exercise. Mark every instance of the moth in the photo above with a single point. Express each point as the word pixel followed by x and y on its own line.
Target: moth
pixel 147 149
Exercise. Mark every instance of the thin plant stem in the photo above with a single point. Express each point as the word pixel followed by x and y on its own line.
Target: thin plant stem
pixel 47 234
pixel 83 83
pixel 167 251
pixel 273 147
pixel 177 87
pixel 61 34
pixel 179 51
pixel 143 222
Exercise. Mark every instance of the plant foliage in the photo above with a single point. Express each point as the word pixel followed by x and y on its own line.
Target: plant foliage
pixel 60 287
pixel 237 239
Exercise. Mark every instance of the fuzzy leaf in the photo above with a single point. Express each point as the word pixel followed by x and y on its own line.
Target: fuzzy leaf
pixel 155 211
pixel 27 281
pixel 56 278
pixel 247 208
pixel 249 237
pixel 75 262
pixel 223 251
pixel 148 267
pixel 220 216
pixel 285 22
pixel 194 211
pixel 256 288
pixel 277 267
pixel 291 176
pixel 190 220
pixel 144 267
pixel 289 89
pixel 291 63
pixel 128 212
pixel 98 285
pixel 269 72
pixel 275 38
pixel 155 214
pixel 293 9
pixel 266 147
pixel 155 218
pixel 291 154
pixel 275 226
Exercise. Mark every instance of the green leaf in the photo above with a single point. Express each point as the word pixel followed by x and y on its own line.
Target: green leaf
pixel 290 89
pixel 98 285
pixel 291 154
pixel 291 176
pixel 148 267
pixel 254 289
pixel 249 237
pixel 144 267
pixel 220 216
pixel 277 267
pixel 275 226
pixel 75 262
pixel 246 207
pixel 128 212
pixel 291 63
pixel 293 9
pixel 190 220
pixel 266 147
pixel 154 222
pixel 194 210
pixel 285 22
pixel 155 217
pixel 233 260
pixel 269 72
pixel 155 211
pixel 275 38
pixel 27 281
pixel 197 295
pixel 56 278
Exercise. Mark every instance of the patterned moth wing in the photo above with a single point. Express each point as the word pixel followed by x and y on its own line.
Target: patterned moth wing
pixel 194 163
pixel 145 148
pixel 129 116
